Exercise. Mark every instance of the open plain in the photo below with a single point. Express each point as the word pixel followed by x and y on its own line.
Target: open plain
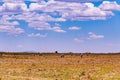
pixel 56 66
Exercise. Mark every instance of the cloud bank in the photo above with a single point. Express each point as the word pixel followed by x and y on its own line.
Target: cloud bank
pixel 39 13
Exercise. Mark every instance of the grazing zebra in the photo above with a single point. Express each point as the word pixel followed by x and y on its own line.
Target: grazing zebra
pixel 62 56
pixel 81 55
pixel 1 55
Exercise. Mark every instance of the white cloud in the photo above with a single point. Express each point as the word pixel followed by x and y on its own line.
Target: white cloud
pixel 9 27
pixel 87 12
pixel 36 6
pixel 73 11
pixel 37 35
pixel 108 6
pixel 91 36
pixel 11 30
pixel 34 16
pixel 94 36
pixel 79 40
pixel 38 14
pixel 58 29
pixel 79 0
pixel 35 0
pixel 11 1
pixel 18 1
pixel 39 25
pixel 67 10
pixel 74 28
pixel 6 17
pixel 13 8
pixel 5 22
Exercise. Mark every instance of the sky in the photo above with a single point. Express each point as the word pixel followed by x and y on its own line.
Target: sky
pixel 60 25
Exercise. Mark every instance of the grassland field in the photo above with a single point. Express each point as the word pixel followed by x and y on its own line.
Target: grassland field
pixel 59 66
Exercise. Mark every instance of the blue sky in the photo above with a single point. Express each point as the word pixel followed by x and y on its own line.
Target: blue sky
pixel 60 25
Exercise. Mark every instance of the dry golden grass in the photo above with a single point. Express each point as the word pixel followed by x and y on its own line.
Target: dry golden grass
pixel 53 67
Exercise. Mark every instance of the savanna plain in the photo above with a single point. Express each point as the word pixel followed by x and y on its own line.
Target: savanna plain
pixel 59 66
